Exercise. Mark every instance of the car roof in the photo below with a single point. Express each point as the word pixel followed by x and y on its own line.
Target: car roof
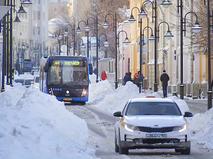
pixel 151 100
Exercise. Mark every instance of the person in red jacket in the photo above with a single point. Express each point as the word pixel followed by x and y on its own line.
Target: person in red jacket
pixel 103 75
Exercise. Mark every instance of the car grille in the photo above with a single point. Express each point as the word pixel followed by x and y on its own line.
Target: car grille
pixel 149 129
pixel 155 141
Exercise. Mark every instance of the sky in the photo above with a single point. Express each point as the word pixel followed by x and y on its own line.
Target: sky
pixel 35 125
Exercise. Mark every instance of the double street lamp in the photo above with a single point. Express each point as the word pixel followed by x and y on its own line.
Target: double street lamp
pixel 126 41
pixel 87 29
pixel 60 36
pixel 106 24
pixel 196 28
pixel 142 14
pixel 66 34
pixel 151 39
pixel 7 60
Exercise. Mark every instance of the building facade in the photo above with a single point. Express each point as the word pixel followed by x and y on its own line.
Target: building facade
pixel 31 33
pixel 195 67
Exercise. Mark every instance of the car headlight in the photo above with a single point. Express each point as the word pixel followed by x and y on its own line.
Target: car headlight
pixel 51 91
pixel 84 93
pixel 180 128
pixel 130 127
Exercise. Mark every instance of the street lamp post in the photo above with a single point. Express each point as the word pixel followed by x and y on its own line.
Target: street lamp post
pixel 82 43
pixel 165 4
pixel 209 56
pixel 126 42
pixel 106 44
pixel 143 14
pixel 151 39
pixel 7 61
pixel 73 36
pixel 87 28
pixel 132 20
pixel 196 28
pixel 59 43
pixel 105 25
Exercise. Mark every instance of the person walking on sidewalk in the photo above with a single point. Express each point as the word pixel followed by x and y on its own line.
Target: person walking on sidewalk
pixel 164 79
pixel 103 75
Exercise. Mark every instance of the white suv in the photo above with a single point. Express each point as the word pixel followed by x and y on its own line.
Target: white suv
pixel 152 123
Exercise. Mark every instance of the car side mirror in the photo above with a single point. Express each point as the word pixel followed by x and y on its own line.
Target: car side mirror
pixel 117 114
pixel 188 114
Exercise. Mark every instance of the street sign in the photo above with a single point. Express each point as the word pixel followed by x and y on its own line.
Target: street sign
pixel 144 40
pixel 20 60
pixel 35 54
pixel 63 48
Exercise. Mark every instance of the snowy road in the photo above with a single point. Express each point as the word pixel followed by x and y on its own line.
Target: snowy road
pixel 101 127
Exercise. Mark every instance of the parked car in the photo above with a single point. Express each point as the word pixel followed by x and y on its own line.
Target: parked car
pixel 36 81
pixel 152 123
pixel 25 82
pixel 19 81
pixel 28 82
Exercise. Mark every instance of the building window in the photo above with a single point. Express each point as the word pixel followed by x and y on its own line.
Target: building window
pixel 33 30
pixel 54 9
pixel 39 15
pixel 38 30
pixel 39 2
pixel 43 15
pixel 33 15
pixel 22 28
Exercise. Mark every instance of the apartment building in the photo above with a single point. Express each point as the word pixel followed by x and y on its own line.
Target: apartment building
pixel 31 33
pixel 66 14
pixel 168 51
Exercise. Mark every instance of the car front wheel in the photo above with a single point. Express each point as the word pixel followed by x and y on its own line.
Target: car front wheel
pixel 185 152
pixel 122 150
pixel 116 145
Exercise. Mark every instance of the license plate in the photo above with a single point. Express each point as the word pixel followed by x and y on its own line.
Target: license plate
pixel 156 135
pixel 67 99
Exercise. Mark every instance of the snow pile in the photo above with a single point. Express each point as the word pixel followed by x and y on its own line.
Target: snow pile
pixel 36 125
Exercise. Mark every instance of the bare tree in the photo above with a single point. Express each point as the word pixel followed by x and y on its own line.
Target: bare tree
pixel 198 41
pixel 99 8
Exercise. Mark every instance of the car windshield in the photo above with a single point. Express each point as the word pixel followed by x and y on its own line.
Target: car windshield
pixel 67 74
pixel 36 79
pixel 153 108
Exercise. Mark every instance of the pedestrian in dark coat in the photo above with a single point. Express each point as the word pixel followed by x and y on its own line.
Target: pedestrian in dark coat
pixel 164 79
pixel 136 80
pixel 127 77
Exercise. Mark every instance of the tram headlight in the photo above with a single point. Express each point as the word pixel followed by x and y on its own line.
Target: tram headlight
pixel 84 93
